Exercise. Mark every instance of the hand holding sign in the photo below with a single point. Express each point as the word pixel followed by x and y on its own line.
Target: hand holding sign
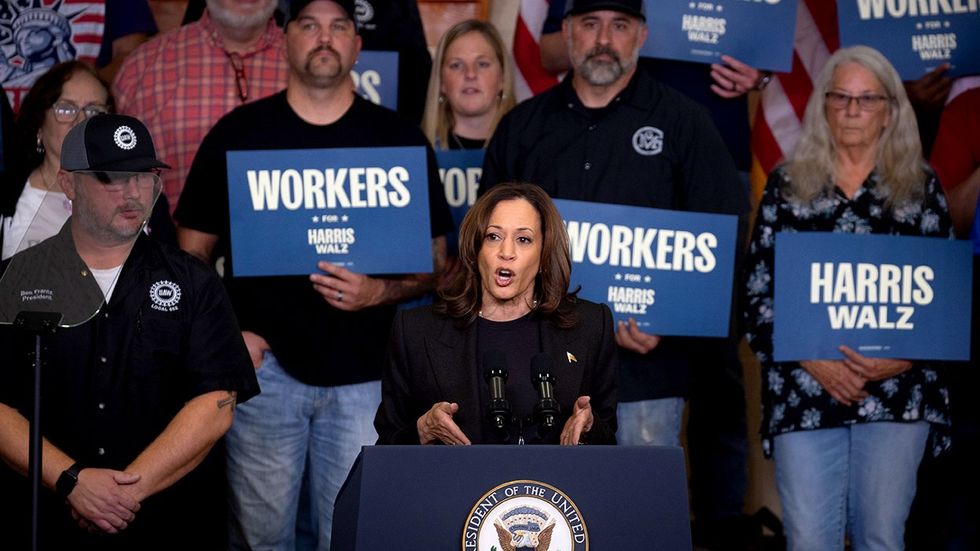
pixel 873 369
pixel 733 78
pixel 843 384
pixel 630 337
pixel 347 290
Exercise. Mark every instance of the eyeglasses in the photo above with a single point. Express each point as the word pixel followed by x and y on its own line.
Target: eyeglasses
pixel 238 65
pixel 866 102
pixel 115 181
pixel 67 111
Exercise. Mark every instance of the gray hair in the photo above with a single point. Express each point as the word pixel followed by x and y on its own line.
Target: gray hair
pixel 902 171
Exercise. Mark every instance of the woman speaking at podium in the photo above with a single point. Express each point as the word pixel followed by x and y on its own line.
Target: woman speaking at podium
pixel 506 355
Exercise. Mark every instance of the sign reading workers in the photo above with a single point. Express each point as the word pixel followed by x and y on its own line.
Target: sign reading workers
pixel 460 172
pixel 699 31
pixel 669 270
pixel 915 35
pixel 366 209
pixel 883 296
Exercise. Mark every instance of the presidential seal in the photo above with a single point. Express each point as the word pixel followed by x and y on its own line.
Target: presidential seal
pixel 525 515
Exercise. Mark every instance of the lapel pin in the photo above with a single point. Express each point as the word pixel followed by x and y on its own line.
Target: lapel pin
pixel 571 357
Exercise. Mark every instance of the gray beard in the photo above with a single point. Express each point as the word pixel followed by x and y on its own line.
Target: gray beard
pixel 601 73
pixel 239 21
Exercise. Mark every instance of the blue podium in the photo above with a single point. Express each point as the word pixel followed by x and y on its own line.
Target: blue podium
pixel 494 498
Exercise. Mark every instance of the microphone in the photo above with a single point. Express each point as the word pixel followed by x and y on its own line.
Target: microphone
pixel 547 408
pixel 495 373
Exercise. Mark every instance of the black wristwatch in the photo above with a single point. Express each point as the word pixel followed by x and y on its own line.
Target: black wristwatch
pixel 67 481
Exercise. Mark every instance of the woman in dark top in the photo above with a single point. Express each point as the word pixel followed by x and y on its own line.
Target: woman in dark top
pixel 508 307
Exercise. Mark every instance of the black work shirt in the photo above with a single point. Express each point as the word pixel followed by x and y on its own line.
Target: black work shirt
pixel 313 341
pixel 651 147
pixel 112 384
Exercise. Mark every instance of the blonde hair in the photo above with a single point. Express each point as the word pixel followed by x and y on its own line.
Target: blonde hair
pixel 812 167
pixel 437 121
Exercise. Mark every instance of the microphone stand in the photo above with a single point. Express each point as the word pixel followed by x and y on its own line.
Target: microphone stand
pixel 38 324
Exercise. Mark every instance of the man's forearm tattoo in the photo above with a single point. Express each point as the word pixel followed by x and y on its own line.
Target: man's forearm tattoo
pixel 229 401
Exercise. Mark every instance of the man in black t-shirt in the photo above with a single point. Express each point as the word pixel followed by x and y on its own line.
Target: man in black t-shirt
pixel 317 342
pixel 144 382
pixel 610 133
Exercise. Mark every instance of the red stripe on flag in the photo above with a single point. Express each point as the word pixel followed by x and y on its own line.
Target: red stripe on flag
pixel 527 56
pixel 824 14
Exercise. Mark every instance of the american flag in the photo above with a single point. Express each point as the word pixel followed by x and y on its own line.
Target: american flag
pixel 531 78
pixel 778 120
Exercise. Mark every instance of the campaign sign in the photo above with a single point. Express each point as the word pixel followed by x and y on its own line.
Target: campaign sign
pixel 376 77
pixel 884 296
pixel 669 270
pixel 916 36
pixel 690 30
pixel 460 174
pixel 366 209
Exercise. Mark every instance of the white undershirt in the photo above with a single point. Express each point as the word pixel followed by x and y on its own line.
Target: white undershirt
pixel 107 280
pixel 37 216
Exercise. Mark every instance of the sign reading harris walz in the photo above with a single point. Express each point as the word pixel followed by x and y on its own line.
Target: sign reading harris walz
pixel 883 296
pixel 915 35
pixel 366 209
pixel 376 77
pixel 669 270
pixel 690 30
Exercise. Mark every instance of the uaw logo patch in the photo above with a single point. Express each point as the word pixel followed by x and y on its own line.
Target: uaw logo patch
pixel 124 137
pixel 165 295
pixel 648 140
pixel 525 515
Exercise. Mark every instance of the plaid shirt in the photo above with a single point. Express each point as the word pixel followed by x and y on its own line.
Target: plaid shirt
pixel 180 83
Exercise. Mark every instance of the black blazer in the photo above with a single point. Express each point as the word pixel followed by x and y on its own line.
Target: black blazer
pixel 431 359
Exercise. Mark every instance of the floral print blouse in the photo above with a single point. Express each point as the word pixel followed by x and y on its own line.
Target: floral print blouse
pixel 792 399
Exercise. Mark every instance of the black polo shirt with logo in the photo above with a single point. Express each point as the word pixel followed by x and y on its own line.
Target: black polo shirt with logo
pixel 112 384
pixel 650 147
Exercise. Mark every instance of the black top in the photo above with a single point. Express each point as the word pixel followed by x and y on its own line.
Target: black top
pixel 112 384
pixel 314 342
pixel 457 142
pixel 652 147
pixel 433 358
pixel 519 340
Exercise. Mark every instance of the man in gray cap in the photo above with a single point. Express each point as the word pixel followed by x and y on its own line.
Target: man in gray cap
pixel 136 394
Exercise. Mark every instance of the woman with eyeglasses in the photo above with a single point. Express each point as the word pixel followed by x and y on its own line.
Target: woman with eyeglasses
pixel 32 207
pixel 847 434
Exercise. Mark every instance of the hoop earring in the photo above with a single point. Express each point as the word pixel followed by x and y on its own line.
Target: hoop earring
pixel 40 146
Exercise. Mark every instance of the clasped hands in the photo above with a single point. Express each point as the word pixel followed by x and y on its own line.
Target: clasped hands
pixel 437 424
pixel 844 379
pixel 105 500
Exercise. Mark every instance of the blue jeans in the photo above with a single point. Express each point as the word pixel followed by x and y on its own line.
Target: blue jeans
pixel 275 436
pixel 859 478
pixel 650 422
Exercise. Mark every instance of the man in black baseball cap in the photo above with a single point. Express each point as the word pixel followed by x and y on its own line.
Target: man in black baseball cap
pixel 144 373
pixel 296 6
pixel 631 7
pixel 108 171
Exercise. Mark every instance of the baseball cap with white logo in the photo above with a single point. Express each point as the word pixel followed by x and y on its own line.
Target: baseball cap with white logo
pixel 110 142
